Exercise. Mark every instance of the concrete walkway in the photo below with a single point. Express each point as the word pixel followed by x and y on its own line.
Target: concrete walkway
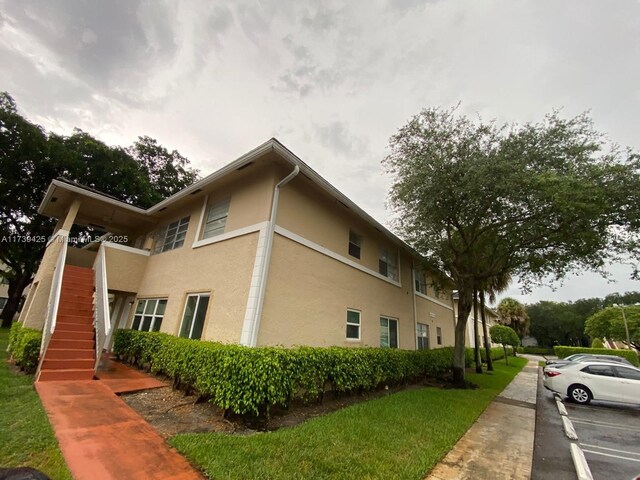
pixel 499 446
pixel 101 438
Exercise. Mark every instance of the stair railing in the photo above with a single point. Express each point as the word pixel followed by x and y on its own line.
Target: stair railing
pixel 54 298
pixel 102 321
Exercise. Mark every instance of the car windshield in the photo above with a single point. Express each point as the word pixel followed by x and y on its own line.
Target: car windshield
pixel 574 357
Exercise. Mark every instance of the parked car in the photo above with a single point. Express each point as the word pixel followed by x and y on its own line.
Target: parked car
pixel 578 357
pixel 593 380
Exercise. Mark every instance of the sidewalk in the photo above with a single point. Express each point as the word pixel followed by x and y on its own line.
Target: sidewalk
pixel 499 446
pixel 101 438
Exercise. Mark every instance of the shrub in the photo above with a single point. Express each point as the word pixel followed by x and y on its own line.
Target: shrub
pixel 251 380
pixel 597 343
pixel 24 346
pixel 630 355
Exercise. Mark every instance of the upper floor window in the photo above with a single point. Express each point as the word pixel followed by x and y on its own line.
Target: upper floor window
pixel 171 236
pixel 216 219
pixel 388 264
pixel 149 314
pixel 421 282
pixel 355 243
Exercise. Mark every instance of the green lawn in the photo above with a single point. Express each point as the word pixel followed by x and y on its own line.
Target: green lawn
pixel 26 437
pixel 402 435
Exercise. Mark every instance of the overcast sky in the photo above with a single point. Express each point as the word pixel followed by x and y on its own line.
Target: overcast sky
pixel 331 80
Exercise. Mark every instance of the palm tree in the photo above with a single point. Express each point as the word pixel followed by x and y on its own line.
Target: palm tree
pixel 493 287
pixel 513 314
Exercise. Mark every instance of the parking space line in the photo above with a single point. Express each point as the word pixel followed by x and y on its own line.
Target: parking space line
pixel 613 456
pixel 604 424
pixel 610 449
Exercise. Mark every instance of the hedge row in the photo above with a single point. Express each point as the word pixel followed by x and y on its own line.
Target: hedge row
pixel 536 350
pixel 251 380
pixel 630 355
pixel 24 346
pixel 497 353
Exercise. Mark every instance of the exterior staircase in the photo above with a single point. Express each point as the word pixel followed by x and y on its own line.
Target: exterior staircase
pixel 71 352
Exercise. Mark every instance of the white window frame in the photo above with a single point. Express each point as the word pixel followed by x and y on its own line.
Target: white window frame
pixel 154 315
pixel 422 334
pixel 384 258
pixel 420 284
pixel 439 335
pixel 358 243
pixel 221 216
pixel 195 312
pixel 359 325
pixel 165 242
pixel 390 319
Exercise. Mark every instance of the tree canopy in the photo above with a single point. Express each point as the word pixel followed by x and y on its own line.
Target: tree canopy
pixel 506 336
pixel 609 323
pixel 30 158
pixel 479 200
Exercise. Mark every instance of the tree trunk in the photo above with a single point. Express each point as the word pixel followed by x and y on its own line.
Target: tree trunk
pixel 16 287
pixel 487 344
pixel 464 308
pixel 506 357
pixel 476 337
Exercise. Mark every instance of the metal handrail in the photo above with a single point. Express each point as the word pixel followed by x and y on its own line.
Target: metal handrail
pixel 102 321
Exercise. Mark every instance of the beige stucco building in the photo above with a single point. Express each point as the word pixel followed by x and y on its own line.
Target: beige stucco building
pixel 262 252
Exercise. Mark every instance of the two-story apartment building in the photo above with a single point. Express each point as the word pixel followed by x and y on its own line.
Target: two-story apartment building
pixel 262 252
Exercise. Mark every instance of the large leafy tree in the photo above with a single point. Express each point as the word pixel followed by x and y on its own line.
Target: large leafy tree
pixel 480 200
pixel 609 323
pixel 30 158
pixel 556 323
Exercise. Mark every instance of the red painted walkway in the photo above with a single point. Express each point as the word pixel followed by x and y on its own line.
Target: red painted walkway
pixel 101 438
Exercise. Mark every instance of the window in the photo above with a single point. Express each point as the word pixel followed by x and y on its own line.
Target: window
pixel 149 315
pixel 423 336
pixel 355 242
pixel 353 325
pixel 388 332
pixel 600 370
pixel 439 335
pixel 421 283
pixel 194 313
pixel 628 373
pixel 388 264
pixel 171 236
pixel 216 219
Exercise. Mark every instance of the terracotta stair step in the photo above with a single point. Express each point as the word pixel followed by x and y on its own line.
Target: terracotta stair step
pixel 75 327
pixel 77 285
pixel 69 374
pixel 68 311
pixel 66 318
pixel 69 364
pixel 69 353
pixel 72 344
pixel 60 334
pixel 78 270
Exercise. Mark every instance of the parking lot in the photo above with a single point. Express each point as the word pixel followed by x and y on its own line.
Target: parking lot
pixel 609 435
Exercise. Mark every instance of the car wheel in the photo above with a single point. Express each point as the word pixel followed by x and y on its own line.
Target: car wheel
pixel 580 394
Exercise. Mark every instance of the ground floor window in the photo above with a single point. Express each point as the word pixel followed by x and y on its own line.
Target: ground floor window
pixel 353 324
pixel 149 314
pixel 439 335
pixel 388 332
pixel 422 332
pixel 195 312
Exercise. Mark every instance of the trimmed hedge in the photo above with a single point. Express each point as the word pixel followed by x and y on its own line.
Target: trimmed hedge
pixel 251 380
pixel 497 353
pixel 630 355
pixel 24 346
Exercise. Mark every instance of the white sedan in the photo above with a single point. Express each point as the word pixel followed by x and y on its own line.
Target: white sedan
pixel 586 381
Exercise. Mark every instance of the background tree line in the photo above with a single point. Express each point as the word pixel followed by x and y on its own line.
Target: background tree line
pixel 30 157
pixel 563 323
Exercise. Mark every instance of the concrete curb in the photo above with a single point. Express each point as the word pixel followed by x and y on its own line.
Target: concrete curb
pixel 580 462
pixel 569 431
pixel 561 408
